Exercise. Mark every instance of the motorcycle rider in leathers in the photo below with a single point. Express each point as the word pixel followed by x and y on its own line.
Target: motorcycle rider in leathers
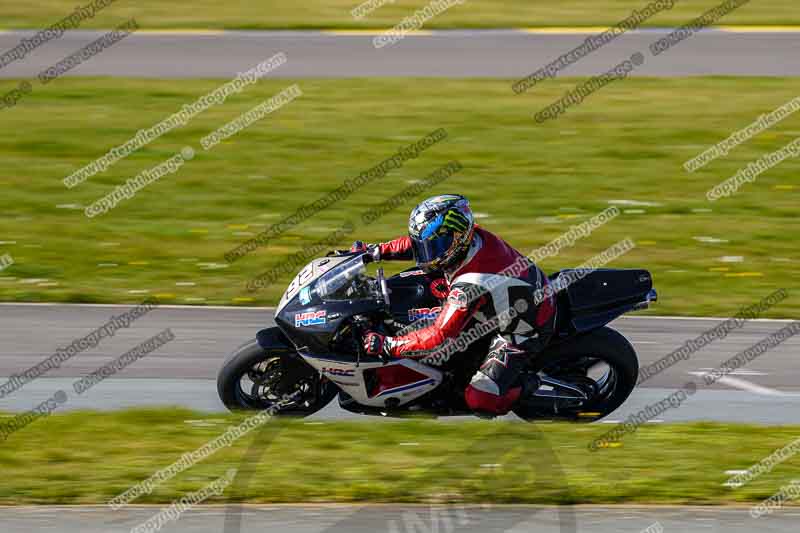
pixel 485 277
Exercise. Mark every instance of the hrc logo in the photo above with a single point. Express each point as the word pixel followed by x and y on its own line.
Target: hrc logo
pixel 313 318
pixel 423 313
pixel 338 372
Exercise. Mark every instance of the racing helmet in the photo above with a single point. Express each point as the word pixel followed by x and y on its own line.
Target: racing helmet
pixel 441 229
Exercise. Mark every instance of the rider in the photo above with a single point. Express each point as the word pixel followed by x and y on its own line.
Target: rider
pixel 486 276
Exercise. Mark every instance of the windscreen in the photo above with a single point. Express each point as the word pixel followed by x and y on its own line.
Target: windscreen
pixel 346 281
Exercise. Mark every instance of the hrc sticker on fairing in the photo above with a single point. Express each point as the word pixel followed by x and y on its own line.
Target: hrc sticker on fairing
pixel 423 313
pixel 314 318
pixel 338 372
pixel 411 273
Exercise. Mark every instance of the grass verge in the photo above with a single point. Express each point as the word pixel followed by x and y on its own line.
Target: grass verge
pixel 528 182
pixel 90 457
pixel 275 14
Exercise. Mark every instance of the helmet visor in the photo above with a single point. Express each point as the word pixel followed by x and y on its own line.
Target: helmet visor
pixel 426 251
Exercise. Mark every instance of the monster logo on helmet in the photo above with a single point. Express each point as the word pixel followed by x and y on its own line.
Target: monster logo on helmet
pixel 441 229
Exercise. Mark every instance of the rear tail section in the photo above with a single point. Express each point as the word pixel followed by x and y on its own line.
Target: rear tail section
pixel 590 299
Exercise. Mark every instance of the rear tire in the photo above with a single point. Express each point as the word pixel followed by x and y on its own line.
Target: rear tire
pixel 605 344
pixel 250 360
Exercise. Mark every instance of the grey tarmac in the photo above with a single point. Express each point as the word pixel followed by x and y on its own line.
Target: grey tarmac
pixel 509 54
pixel 183 372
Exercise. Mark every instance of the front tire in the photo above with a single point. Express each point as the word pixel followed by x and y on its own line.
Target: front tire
pixel 254 378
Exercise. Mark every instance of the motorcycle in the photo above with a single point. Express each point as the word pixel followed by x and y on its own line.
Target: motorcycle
pixel 315 351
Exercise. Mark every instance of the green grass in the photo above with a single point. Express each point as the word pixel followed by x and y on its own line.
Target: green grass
pixel 365 462
pixel 272 14
pixel 626 142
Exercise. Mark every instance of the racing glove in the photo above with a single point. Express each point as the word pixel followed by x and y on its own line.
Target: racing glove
pixel 373 251
pixel 375 344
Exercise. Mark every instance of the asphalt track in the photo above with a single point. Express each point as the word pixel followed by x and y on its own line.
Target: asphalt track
pixel 397 519
pixel 448 54
pixel 183 371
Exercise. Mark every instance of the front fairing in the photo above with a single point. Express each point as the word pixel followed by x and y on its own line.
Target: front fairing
pixel 323 295
pixel 313 327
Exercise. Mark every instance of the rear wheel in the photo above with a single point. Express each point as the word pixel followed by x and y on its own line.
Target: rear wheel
pixel 254 378
pixel 582 380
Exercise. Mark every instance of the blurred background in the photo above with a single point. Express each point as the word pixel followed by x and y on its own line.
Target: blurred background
pixel 375 78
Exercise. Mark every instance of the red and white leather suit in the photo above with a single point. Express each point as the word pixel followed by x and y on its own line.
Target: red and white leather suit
pixel 487 273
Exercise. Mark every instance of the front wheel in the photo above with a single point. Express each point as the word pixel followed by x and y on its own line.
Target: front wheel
pixel 583 379
pixel 254 378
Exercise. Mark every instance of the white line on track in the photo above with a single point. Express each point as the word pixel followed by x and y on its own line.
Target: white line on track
pixel 737 372
pixel 658 317
pixel 751 387
pixel 748 386
pixel 271 308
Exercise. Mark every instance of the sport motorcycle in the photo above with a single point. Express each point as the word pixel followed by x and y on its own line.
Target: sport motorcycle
pixel 315 351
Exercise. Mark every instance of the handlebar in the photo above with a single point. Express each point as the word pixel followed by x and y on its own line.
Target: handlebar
pixel 342 253
pixel 339 253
